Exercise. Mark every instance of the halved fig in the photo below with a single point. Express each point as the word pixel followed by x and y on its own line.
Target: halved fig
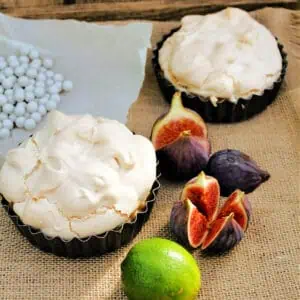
pixel 204 192
pixel 224 234
pixel 185 157
pixel 238 204
pixel 188 224
pixel 177 120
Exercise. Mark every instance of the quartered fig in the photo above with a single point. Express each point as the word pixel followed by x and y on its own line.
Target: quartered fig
pixel 188 224
pixel 235 170
pixel 204 192
pixel 238 204
pixel 224 234
pixel 197 221
pixel 180 140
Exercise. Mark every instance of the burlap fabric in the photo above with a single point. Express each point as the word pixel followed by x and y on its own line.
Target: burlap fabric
pixel 266 263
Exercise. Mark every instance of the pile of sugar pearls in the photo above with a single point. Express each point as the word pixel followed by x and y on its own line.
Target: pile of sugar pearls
pixel 28 90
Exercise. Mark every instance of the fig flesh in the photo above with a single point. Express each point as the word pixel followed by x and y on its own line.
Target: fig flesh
pixel 197 221
pixel 177 120
pixel 188 224
pixel 184 158
pixel 204 192
pixel 238 204
pixel 225 233
pixel 235 170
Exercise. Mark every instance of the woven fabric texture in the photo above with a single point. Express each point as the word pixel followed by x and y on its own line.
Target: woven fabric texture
pixel 265 265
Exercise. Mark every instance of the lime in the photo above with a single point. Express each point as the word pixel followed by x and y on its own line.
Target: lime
pixel 159 269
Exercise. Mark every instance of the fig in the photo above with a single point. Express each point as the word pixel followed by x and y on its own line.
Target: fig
pixel 184 158
pixel 204 192
pixel 180 141
pixel 238 204
pixel 224 234
pixel 235 170
pixel 197 221
pixel 178 119
pixel 188 224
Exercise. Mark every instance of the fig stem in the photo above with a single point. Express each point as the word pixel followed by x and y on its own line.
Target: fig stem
pixel 176 101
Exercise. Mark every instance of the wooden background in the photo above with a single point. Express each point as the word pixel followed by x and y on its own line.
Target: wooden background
pixel 97 10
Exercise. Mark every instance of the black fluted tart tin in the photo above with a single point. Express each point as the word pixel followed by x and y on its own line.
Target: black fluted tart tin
pixel 225 111
pixel 94 245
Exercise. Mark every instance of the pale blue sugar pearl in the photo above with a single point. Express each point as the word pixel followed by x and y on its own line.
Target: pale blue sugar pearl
pixel 67 85
pixel 1 124
pixel 25 66
pixel 40 84
pixel 36 116
pixel 12 117
pixel 19 95
pixel 8 83
pixel 8 108
pixel 48 63
pixel 32 107
pixel 51 105
pixel 2 77
pixel 4 133
pixel 20 122
pixel 3 64
pixel 24 50
pixel 13 62
pixel 32 82
pixel 8 71
pixel 19 71
pixel 29 88
pixel 9 92
pixel 24 59
pixel 8 124
pixel 36 63
pixel 53 89
pixel 58 77
pixel 29 96
pixel 3 116
pixel 23 81
pixel 50 82
pixel 42 109
pixel 58 85
pixel 29 124
pixel 27 115
pixel 39 92
pixel 32 73
pixel 55 98
pixel 49 74
pixel 43 69
pixel 3 100
pixel 1 89
pixel 43 100
pixel 34 53
pixel 41 77
pixel 13 78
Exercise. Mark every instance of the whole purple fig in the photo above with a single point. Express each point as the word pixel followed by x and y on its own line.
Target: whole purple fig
pixel 235 170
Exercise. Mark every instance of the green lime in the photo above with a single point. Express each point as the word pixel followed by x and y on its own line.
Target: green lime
pixel 159 269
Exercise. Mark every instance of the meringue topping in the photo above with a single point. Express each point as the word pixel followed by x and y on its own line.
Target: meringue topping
pixel 225 55
pixel 78 176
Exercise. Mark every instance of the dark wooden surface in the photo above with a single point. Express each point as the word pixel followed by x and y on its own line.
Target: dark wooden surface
pixel 96 10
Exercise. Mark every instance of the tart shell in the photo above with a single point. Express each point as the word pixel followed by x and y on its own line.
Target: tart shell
pixel 95 245
pixel 225 111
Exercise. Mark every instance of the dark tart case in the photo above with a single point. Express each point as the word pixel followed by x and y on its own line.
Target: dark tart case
pixel 95 245
pixel 225 111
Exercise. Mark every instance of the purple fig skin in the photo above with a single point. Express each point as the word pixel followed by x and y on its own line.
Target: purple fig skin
pixel 178 222
pixel 235 170
pixel 184 158
pixel 226 240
